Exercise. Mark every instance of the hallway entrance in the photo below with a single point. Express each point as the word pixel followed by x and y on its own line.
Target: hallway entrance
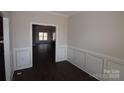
pixel 2 63
pixel 44 40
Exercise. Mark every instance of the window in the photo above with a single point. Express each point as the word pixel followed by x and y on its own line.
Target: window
pixel 54 36
pixel 40 35
pixel 43 35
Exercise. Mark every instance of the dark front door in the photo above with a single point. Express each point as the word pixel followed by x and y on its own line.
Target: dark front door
pixel 2 66
pixel 43 45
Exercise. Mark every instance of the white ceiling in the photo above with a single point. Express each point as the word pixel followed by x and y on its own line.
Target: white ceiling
pixel 66 13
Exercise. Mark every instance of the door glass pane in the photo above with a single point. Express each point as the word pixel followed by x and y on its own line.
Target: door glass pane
pixel 54 36
pixel 40 35
pixel 45 36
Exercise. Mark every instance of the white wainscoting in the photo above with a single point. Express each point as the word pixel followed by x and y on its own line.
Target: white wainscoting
pixel 98 65
pixel 76 57
pixel 116 70
pixel 61 53
pixel 22 58
pixel 94 64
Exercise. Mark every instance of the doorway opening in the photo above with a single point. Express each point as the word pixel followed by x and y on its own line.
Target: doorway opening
pixel 2 63
pixel 44 44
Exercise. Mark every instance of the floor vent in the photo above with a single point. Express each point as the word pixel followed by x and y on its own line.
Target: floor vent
pixel 19 73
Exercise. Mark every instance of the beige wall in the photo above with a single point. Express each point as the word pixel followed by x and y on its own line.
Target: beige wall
pixel 101 32
pixel 20 27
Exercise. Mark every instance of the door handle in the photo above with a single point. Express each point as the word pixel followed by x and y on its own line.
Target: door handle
pixel 1 41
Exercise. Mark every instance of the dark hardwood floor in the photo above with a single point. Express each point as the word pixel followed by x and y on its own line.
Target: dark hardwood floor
pixel 61 71
pixel 46 69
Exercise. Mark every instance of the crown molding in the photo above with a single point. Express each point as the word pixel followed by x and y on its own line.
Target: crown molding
pixel 58 14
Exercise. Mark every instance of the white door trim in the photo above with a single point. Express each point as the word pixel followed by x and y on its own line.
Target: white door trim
pixel 31 41
pixel 7 56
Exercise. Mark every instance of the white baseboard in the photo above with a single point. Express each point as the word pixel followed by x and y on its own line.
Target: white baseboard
pixel 60 60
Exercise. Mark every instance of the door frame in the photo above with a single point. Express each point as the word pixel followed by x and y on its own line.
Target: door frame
pixel 31 38
pixel 7 51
